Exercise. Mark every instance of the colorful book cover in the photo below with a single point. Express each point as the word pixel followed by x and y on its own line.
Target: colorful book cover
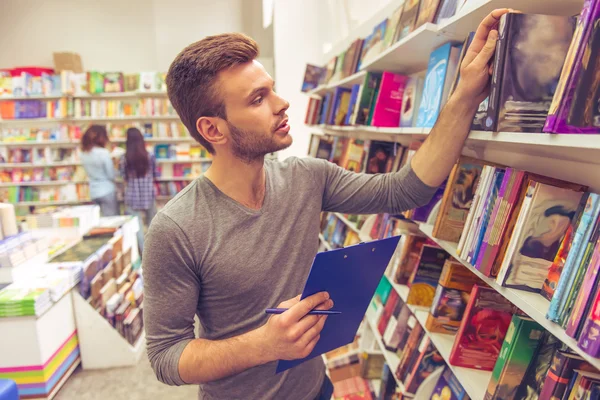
pixel 365 100
pixel 428 361
pixel 426 276
pixel 411 252
pixel 448 387
pixel 589 340
pixel 572 70
pixel 398 336
pixel 380 158
pixel 532 382
pixel 518 351
pixel 350 113
pixel 312 76
pixel 373 44
pixel 388 309
pixel 580 240
pixel 556 268
pixel 337 73
pixel 388 103
pixel 411 352
pixel 411 98
pixel 95 81
pixel 427 12
pixel 482 330
pixel 352 160
pixel 550 215
pixel 340 106
pixel 388 337
pixel 447 310
pixel 534 43
pixel 583 302
pixel 561 370
pixel 353 57
pixel 429 211
pixel 456 276
pixel 446 11
pixel 431 99
pixel 408 19
pixel 113 82
pixel 327 100
pixel 392 28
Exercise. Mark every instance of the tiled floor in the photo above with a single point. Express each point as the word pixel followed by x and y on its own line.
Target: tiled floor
pixel 131 383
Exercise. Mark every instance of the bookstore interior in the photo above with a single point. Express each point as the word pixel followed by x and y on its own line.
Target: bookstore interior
pixel 493 291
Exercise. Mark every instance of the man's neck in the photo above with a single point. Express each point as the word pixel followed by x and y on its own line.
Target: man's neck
pixel 243 182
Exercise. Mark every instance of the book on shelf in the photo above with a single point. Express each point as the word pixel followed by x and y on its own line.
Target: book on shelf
pixel 410 352
pixel 381 158
pixel 388 309
pixel 428 360
pixel 411 98
pixel 532 382
pixel 373 44
pixel 427 11
pixel 352 105
pixel 341 100
pixel 313 76
pixel 446 10
pixel 388 103
pixel 520 95
pixel 408 19
pixel 575 76
pixel 425 277
pixel 352 58
pixel 409 258
pixel 518 351
pixel 393 25
pixel 366 97
pixel 448 387
pixel 482 330
pixel 561 370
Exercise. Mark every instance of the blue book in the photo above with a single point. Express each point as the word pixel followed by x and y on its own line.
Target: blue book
pixel 491 202
pixel 580 240
pixel 431 100
pixel 352 104
pixel 324 112
pixel 337 101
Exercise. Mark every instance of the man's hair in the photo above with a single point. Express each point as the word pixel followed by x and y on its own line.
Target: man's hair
pixel 191 80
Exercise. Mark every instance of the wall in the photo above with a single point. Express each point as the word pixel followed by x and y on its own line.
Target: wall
pixel 121 35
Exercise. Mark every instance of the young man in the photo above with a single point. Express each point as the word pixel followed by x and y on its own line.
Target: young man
pixel 242 238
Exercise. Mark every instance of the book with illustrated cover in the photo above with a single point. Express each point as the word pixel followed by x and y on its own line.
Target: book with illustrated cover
pixel 442 64
pixel 351 112
pixel 531 384
pixel 557 121
pixel 313 75
pixel 589 339
pixel 147 82
pixel 457 200
pixel 562 368
pixel 411 352
pixel 427 12
pixel 400 324
pixel 411 98
pixel 95 82
pixel 447 310
pixel 518 351
pixel 573 261
pixel 353 158
pixel 448 387
pixel 131 82
pixel 550 215
pixel 339 67
pixel 113 82
pixel 482 330
pixel 426 276
pixel 409 260
pixel 392 28
pixel 429 360
pixel 380 158
pixel 388 103
pixel 330 69
pixel 531 52
pixel 373 44
pixel 341 100
pixel 367 96
pixel 408 19
pixel 325 107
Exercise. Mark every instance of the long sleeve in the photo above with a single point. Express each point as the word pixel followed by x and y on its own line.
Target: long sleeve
pixel 171 288
pixel 109 168
pixel 350 192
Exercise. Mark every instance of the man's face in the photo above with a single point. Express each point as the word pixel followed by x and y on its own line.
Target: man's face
pixel 256 119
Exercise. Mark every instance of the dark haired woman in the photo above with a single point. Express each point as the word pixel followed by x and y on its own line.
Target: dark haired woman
pixel 138 169
pixel 98 165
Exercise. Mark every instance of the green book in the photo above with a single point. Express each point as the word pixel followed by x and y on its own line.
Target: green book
pixel 519 347
pixel 383 290
pixel 367 97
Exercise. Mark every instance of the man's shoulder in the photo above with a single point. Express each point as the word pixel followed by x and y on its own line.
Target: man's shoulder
pixel 297 164
pixel 188 206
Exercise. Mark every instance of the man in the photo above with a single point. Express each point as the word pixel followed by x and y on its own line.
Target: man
pixel 242 238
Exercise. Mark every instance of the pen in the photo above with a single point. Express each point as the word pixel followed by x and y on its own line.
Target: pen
pixel 312 312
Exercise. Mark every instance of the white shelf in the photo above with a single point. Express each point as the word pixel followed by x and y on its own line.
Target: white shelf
pixel 32 97
pixel 349 224
pixel 41 143
pixel 325 242
pixel 34 120
pixel 124 119
pixel 533 304
pixel 44 183
pixel 159 140
pixel 43 165
pixel 112 95
pixel 191 160
pixel 50 203
pixel 391 358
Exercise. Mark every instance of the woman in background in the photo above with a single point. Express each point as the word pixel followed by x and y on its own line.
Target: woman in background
pixel 99 167
pixel 138 169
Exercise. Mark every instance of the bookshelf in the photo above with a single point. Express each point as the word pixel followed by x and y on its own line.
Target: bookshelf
pixel 40 165
pixel 42 143
pixel 40 183
pixel 182 161
pixel 349 224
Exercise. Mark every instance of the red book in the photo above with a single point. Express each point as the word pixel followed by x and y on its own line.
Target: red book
pixel 482 330
pixel 388 105
pixel 387 311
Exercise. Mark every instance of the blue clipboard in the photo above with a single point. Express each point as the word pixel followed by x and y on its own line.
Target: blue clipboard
pixel 350 276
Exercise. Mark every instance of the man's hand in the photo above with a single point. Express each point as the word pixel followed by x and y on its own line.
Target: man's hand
pixel 294 334
pixel 475 69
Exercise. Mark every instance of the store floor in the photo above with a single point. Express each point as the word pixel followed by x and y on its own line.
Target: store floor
pixel 130 383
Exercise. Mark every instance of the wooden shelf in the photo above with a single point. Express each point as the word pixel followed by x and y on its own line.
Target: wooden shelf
pixel 533 304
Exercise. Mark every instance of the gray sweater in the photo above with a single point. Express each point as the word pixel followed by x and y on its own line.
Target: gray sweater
pixel 206 254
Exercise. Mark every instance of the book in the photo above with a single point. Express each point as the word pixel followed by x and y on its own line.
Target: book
pixel 447 310
pixel 411 352
pixel 147 82
pixel 561 370
pixel 388 104
pixel 409 260
pixel 352 159
pixel 408 19
pixel 590 332
pixel 457 200
pixel 380 158
pixel 551 212
pixel 351 112
pixel 365 100
pixel 313 75
pixel 425 278
pixel 402 323
pixel 429 360
pixel 573 261
pixel 392 28
pixel 411 98
pixel 388 309
pixel 521 95
pixel 373 44
pixel 532 382
pixel 427 12
pixel 442 60
pixel 113 82
pixel 456 276
pixel 557 121
pixel 352 57
pixel 325 107
pixel 446 11
pixel 341 99
pixel 482 330
pixel 448 387
pixel 518 350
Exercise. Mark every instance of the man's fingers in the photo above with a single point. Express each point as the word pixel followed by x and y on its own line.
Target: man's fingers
pixel 486 54
pixel 314 331
pixel 481 35
pixel 308 321
pixel 326 305
pixel 289 303
pixel 300 309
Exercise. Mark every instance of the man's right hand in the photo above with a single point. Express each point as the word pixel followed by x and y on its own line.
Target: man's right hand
pixel 294 334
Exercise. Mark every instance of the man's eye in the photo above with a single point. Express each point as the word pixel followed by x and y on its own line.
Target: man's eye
pixel 258 100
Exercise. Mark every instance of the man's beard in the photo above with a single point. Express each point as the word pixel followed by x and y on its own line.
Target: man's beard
pixel 249 146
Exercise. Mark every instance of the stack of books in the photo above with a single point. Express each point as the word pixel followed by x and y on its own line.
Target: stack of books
pixel 18 301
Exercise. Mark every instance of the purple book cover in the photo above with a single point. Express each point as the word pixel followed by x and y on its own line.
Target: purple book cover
pixel 535 53
pixel 589 340
pixel 586 292
pixel 563 99
pixel 490 227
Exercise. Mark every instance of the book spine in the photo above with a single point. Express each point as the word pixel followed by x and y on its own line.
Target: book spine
pixel 446 200
pixel 374 101
pixel 491 122
pixel 589 340
pixel 485 221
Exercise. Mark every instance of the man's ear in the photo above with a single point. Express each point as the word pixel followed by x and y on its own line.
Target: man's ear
pixel 208 127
